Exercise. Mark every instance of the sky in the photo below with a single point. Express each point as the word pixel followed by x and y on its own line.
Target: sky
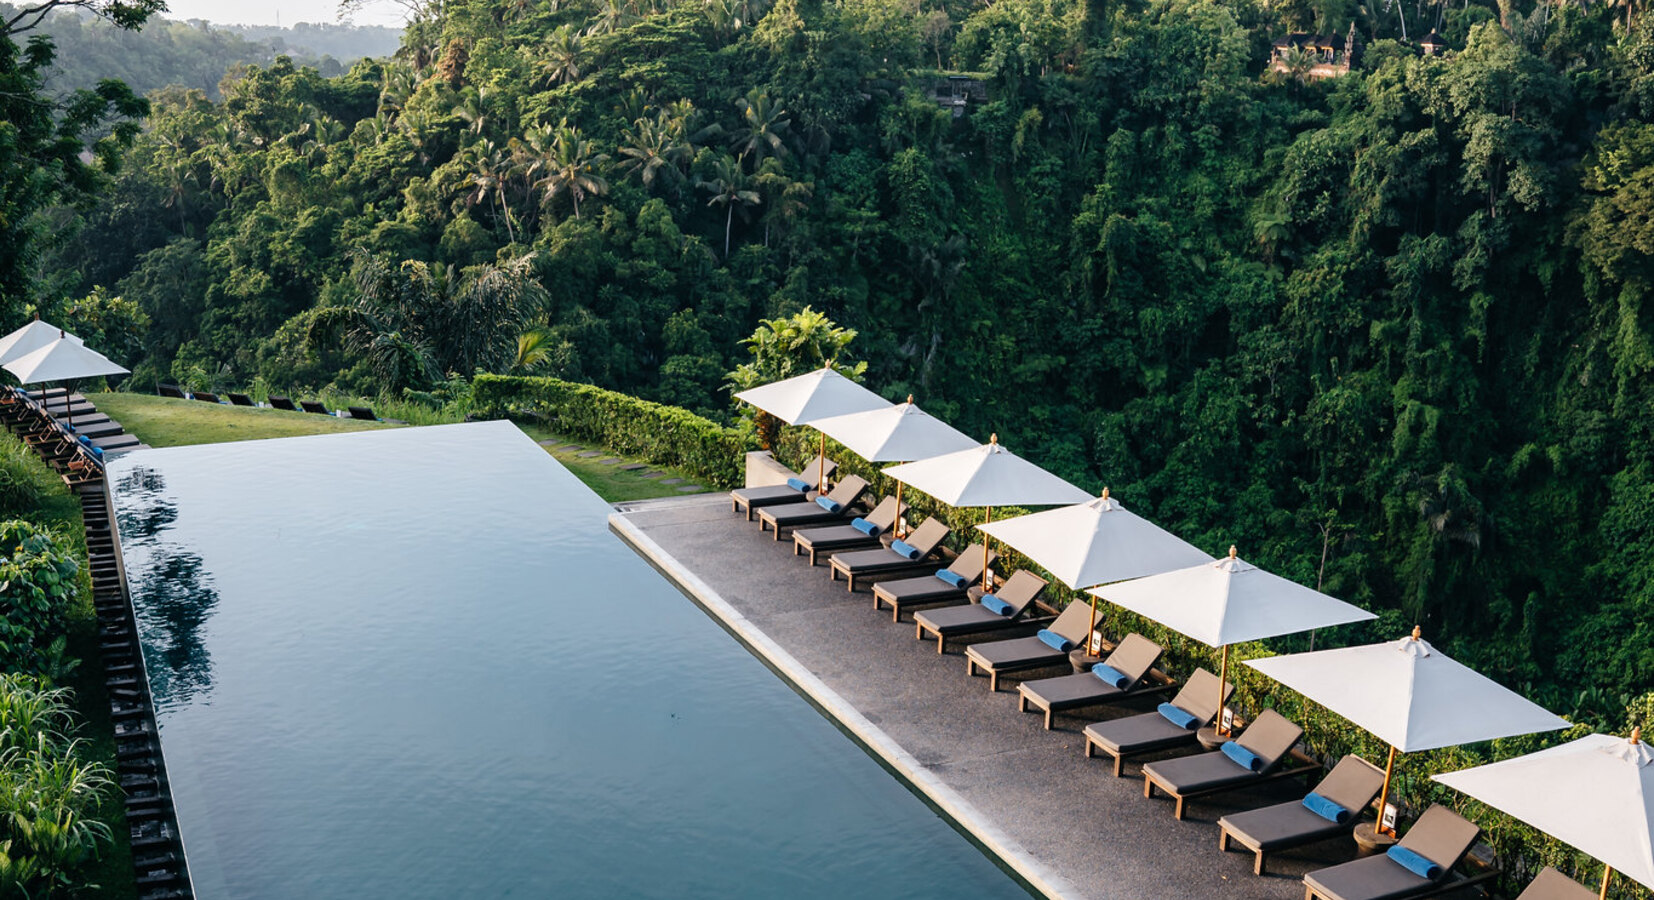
pixel 285 12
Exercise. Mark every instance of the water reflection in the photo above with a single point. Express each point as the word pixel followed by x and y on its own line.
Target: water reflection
pixel 173 595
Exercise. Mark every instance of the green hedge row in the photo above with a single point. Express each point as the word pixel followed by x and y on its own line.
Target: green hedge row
pixel 664 435
pixel 1522 850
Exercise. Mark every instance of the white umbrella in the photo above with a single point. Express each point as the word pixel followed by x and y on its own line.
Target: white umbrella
pixel 987 475
pixel 62 360
pixel 1410 695
pixel 1229 601
pixel 29 338
pixel 1094 543
pixel 894 433
pixel 1596 793
pixel 819 394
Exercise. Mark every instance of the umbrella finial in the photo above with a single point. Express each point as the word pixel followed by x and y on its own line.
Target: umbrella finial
pixel 993 438
pixel 1105 493
pixel 1417 632
pixel 1232 551
pixel 909 399
pixel 1637 735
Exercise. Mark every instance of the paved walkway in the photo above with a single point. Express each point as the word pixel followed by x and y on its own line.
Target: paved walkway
pixel 1062 822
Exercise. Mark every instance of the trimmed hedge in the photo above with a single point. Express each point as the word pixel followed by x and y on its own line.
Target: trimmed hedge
pixel 664 435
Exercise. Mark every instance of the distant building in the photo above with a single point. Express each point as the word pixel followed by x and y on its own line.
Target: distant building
pixel 957 92
pixel 1327 56
pixel 1433 44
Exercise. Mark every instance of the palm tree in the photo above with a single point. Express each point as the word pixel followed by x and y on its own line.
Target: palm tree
pixel 572 168
pixel 654 150
pixel 473 110
pixel 762 125
pixel 729 189
pixel 784 347
pixel 784 199
pixel 534 348
pixel 563 55
pixel 489 180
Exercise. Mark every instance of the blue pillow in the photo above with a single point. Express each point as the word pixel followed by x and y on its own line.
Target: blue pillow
pixel 1107 674
pixel 829 504
pixel 952 577
pixel 798 484
pixel 1326 809
pixel 1054 640
pixel 996 605
pixel 865 527
pixel 1177 715
pixel 96 451
pixel 1414 863
pixel 903 548
pixel 1243 757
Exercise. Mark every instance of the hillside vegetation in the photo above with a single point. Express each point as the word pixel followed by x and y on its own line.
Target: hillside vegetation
pixel 1387 332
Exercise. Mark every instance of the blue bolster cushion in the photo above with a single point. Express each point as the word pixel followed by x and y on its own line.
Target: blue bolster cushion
pixel 1177 715
pixel 1107 674
pixel 1326 809
pixel 996 605
pixel 1243 757
pixel 798 484
pixel 1414 863
pixel 903 548
pixel 952 577
pixel 96 451
pixel 865 527
pixel 829 504
pixel 1054 640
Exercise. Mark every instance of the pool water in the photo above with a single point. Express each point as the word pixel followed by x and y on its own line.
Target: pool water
pixel 415 663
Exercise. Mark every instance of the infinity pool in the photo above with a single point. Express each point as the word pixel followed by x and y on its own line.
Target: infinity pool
pixel 415 663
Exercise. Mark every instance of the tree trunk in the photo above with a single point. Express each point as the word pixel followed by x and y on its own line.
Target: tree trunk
pixel 729 218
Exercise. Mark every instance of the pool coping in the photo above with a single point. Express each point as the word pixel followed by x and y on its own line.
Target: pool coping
pixel 959 811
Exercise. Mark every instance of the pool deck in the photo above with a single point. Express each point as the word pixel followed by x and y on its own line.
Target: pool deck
pixel 1062 823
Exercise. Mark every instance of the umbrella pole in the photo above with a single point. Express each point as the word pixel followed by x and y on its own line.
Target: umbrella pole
pixel 897 528
pixel 1384 795
pixel 1607 875
pixel 1223 677
pixel 1091 649
pixel 821 467
pixel 986 586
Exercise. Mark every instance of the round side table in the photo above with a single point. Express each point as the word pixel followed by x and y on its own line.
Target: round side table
pixel 1369 842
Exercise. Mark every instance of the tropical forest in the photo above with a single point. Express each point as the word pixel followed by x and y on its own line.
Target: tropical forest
pixel 1360 287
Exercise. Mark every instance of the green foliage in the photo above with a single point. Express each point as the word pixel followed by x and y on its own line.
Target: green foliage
pixel 23 478
pixel 49 794
pixel 660 434
pixel 37 586
pixel 784 347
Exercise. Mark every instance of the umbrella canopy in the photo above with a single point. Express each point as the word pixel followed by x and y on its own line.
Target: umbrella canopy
pixel 1596 793
pixel 29 338
pixel 64 359
pixel 820 394
pixel 1409 694
pixel 986 475
pixel 1095 542
pixel 895 433
pixel 1230 601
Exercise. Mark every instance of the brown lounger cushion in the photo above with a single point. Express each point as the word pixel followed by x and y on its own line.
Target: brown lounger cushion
pixel 1553 885
pixel 1440 835
pixel 1029 652
pixel 1352 784
pixel 926 537
pixel 925 588
pixel 1271 736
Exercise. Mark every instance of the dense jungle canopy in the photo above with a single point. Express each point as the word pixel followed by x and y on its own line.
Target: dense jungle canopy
pixel 1391 329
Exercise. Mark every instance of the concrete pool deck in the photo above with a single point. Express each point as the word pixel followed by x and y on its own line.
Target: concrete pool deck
pixel 1062 823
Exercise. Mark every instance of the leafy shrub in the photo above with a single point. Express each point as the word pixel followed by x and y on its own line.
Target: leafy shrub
pixel 37 585
pixel 48 794
pixel 664 435
pixel 21 474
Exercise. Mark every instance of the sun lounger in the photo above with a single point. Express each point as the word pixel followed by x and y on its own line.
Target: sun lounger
pixel 1048 648
pixel 204 396
pixel 915 554
pixel 861 534
pixel 314 406
pixel 1116 678
pixel 797 487
pixel 170 390
pixel 1270 738
pixel 834 508
pixel 949 585
pixel 1553 885
pixel 1350 788
pixel 1002 609
pixel 105 428
pixel 240 399
pixel 279 402
pixel 116 442
pixel 361 413
pixel 1421 865
pixel 1193 707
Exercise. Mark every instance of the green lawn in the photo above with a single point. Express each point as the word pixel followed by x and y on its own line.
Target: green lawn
pixel 165 422
pixel 609 481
